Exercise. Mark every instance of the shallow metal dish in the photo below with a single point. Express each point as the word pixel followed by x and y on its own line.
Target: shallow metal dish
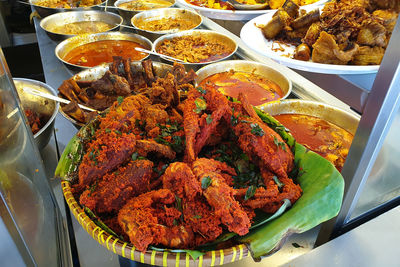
pixel 95 73
pixel 222 37
pixel 67 45
pixel 246 66
pixel 46 11
pixel 156 14
pixel 43 106
pixel 342 118
pixel 60 19
pixel 127 14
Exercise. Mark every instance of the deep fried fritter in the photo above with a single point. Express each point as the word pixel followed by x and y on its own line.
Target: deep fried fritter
pixel 112 192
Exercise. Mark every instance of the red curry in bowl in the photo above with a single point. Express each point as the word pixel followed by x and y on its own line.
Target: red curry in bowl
pixel 103 51
pixel 327 139
pixel 257 88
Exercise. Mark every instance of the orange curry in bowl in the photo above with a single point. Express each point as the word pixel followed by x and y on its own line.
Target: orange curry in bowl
pixel 327 139
pixel 257 88
pixel 95 53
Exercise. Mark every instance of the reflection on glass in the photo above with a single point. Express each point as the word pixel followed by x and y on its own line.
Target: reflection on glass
pixel 23 184
pixel 383 183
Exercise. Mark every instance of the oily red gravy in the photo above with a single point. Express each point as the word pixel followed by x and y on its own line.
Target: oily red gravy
pixel 93 54
pixel 257 88
pixel 327 139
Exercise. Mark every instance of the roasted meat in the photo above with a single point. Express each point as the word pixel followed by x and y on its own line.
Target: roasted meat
pixel 112 84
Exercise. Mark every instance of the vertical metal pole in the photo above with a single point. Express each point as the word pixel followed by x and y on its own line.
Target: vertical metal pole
pixel 378 113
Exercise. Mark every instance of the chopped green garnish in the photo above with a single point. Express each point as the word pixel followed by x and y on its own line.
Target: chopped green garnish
pixel 201 90
pixel 200 105
pixel 250 192
pixel 209 119
pixel 178 204
pixel 118 132
pixel 197 216
pixel 256 129
pixel 120 99
pixel 135 156
pixel 279 144
pixel 107 130
pixel 279 183
pixel 206 182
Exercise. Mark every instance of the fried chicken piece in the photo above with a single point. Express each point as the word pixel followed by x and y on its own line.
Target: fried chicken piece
pixel 200 126
pixel 103 155
pixel 181 76
pixel 201 218
pixel 326 50
pixel 124 115
pixel 116 188
pixel 163 91
pixel 149 219
pixel 179 178
pixel 154 115
pixel 220 196
pixel 270 199
pixel 262 144
pixel 144 147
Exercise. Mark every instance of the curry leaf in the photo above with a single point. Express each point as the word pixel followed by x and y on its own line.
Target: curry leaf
pixel 256 129
pixel 209 119
pixel 278 182
pixel 206 182
pixel 120 99
pixel 250 192
pixel 201 90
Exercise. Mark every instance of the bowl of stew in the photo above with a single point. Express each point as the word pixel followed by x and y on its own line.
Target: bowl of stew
pixel 47 7
pixel 155 23
pixel 324 129
pixel 196 48
pixel 259 82
pixel 61 26
pixel 89 50
pixel 128 8
pixel 40 112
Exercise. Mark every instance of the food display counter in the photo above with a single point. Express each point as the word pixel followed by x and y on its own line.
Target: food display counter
pixel 369 189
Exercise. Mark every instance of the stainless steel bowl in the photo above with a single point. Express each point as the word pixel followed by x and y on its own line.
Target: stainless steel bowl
pixel 206 33
pixel 127 14
pixel 46 11
pixel 163 13
pixel 61 19
pixel 342 118
pixel 246 66
pixel 95 73
pixel 45 107
pixel 67 45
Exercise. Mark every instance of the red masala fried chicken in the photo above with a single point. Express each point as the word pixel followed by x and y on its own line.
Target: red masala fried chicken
pixel 116 188
pixel 105 153
pixel 221 196
pixel 149 219
pixel 179 178
pixel 270 199
pixel 144 147
pixel 262 144
pixel 204 110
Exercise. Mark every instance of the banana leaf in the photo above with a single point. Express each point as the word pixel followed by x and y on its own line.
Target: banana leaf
pixel 322 186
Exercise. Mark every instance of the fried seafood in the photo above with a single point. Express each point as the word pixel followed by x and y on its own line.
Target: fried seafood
pixel 336 35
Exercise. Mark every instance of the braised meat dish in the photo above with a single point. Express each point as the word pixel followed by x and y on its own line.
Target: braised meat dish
pixel 121 80
pixel 344 32
pixel 177 168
